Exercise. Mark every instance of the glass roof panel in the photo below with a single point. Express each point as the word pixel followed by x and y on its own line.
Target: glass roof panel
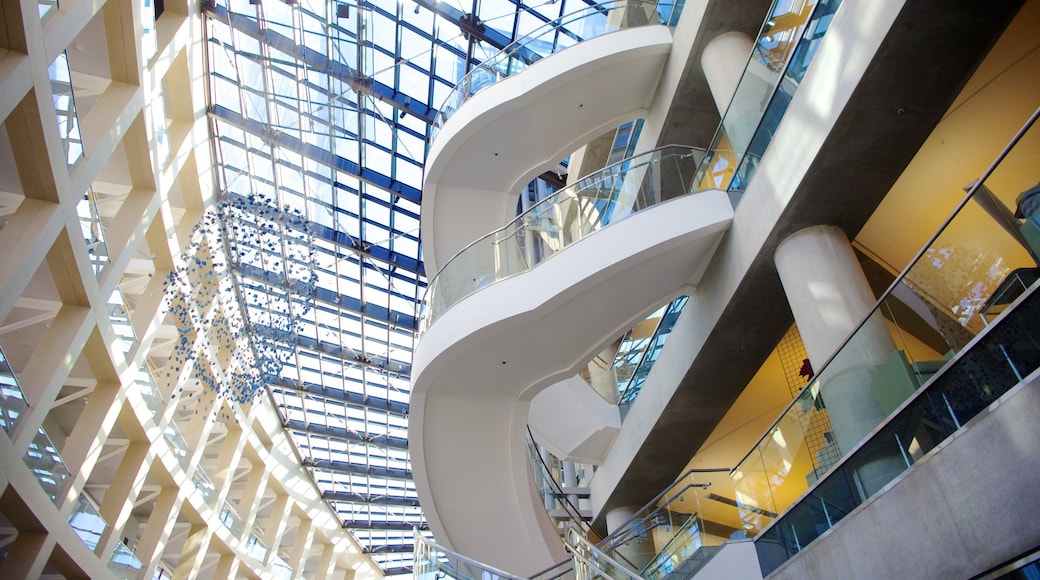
pixel 321 109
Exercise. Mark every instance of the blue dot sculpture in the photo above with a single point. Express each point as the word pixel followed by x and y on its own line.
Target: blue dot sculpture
pixel 247 332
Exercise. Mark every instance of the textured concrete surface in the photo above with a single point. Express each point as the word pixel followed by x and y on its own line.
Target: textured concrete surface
pixel 974 503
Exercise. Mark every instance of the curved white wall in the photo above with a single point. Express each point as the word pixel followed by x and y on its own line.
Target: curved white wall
pixel 477 368
pixel 511 132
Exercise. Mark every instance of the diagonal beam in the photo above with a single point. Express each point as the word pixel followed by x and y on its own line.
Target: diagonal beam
pixel 351 303
pixel 320 62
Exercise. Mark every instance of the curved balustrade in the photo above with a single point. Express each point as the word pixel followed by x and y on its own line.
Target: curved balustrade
pixel 569 215
pixel 552 37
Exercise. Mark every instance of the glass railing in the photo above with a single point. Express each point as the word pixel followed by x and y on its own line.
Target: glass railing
pixel 553 37
pixel 93 232
pixel 87 522
pixel 591 562
pixel 630 382
pixel 229 517
pixel 977 264
pixel 569 215
pixel 12 401
pixel 205 486
pixel 178 445
pixel 431 560
pixel 123 564
pixel 149 40
pixel 557 504
pixel 65 108
pixel 46 465
pixel 680 527
pixel 782 53
pixel 149 391
pixel 978 376
pixel 124 330
pixel 256 548
pixel 280 570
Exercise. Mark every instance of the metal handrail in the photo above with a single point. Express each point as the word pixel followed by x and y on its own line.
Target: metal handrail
pixel 593 548
pixel 419 538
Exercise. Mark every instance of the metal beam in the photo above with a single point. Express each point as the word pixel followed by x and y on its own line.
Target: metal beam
pixel 322 63
pixel 399 443
pixel 315 153
pixel 356 469
pixel 350 303
pixel 354 245
pixel 394 549
pixel 359 399
pixel 358 498
pixel 369 525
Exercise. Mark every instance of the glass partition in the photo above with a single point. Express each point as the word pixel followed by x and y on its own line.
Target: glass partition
pixel 981 260
pixel 12 401
pixel 554 36
pixel 569 215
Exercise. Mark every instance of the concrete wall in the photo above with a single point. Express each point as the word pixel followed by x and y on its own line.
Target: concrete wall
pixel 968 506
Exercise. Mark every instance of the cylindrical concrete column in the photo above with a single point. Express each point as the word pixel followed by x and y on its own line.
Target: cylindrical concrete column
pixel 640 550
pixel 726 66
pixel 829 296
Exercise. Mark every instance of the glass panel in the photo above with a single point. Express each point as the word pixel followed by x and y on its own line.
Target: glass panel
pixel 46 465
pixel 178 445
pixel 124 564
pixel 93 232
pixel 12 401
pixel 86 522
pixel 567 216
pixel 551 38
pixel 65 107
pixel 944 335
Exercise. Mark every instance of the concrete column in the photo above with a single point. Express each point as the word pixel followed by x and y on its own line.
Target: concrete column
pixel 724 61
pixel 829 296
pixel 275 524
pixel 157 531
pixel 302 546
pixel 123 492
pixel 193 553
pixel 227 566
pixel 640 549
pixel 327 563
pixel 570 481
pixel 27 556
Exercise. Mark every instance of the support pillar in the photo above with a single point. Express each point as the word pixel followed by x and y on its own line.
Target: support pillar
pixel 302 546
pixel 724 61
pixel 829 296
pixel 639 550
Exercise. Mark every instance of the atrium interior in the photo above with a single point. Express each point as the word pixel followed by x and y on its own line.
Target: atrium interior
pixel 633 288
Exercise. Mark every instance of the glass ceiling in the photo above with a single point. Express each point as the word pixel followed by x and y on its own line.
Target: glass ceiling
pixel 322 109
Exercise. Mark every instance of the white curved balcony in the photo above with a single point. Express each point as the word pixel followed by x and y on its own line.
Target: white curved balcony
pixel 514 127
pixel 494 346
